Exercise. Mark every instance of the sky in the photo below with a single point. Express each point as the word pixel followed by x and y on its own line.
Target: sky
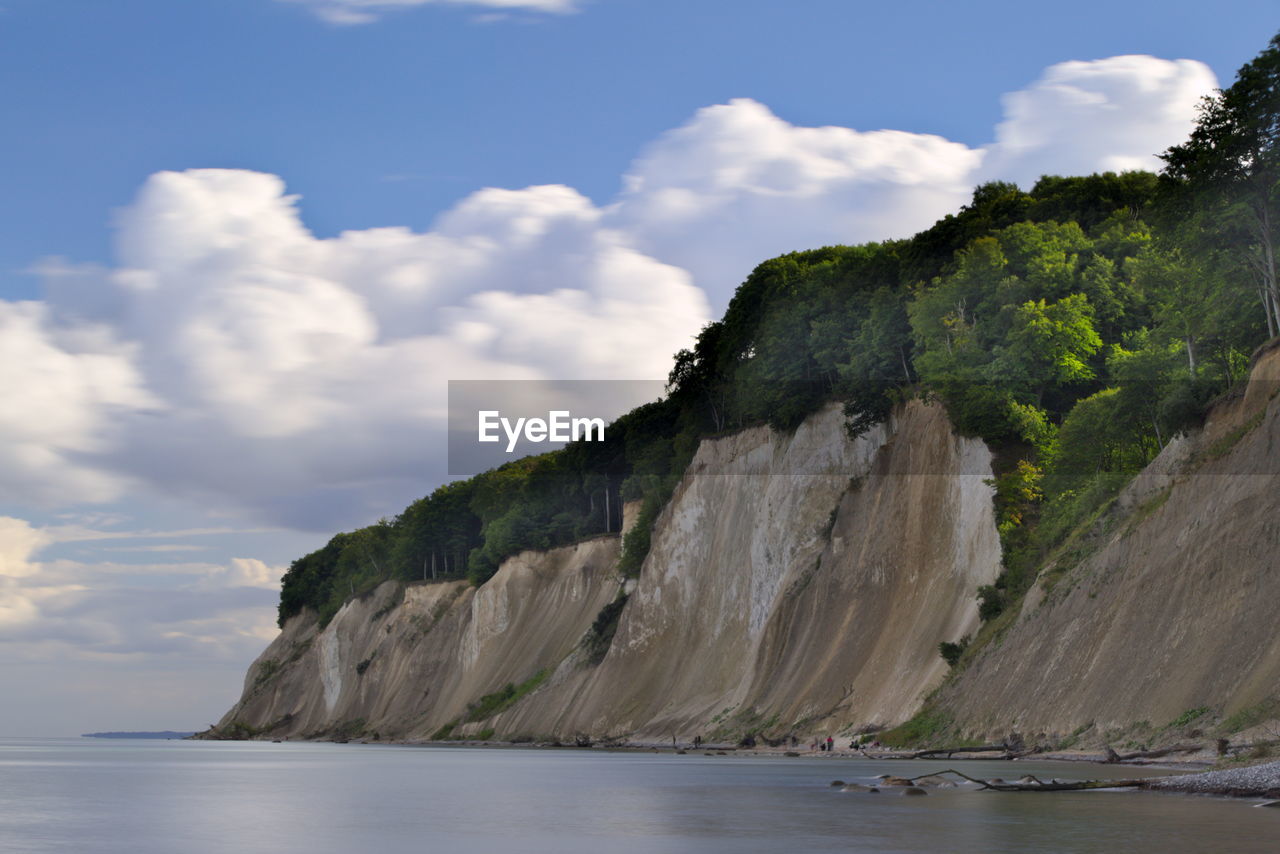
pixel 246 243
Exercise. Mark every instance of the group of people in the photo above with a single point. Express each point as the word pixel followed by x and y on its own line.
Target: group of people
pixel 827 745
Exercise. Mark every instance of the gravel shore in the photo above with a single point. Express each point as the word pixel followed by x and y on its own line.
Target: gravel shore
pixel 1261 781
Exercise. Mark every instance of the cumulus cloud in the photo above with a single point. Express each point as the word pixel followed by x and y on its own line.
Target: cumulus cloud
pixel 63 385
pixel 737 184
pixel 1111 114
pixel 349 12
pixel 232 355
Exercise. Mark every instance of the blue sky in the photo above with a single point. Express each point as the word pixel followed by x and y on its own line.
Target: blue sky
pixel 206 376
pixel 391 122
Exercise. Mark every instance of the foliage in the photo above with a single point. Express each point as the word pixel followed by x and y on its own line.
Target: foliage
pixel 504 698
pixel 951 652
pixel 600 635
pixel 991 602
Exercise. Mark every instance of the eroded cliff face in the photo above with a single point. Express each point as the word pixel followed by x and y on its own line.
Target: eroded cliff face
pixel 796 582
pixel 405 661
pixel 1175 610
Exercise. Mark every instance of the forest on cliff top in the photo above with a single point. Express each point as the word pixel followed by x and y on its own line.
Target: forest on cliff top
pixel 1076 328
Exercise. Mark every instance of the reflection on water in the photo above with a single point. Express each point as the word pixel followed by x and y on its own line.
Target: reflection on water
pixel 141 797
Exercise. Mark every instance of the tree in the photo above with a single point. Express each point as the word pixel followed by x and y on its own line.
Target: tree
pixel 1048 345
pixel 1184 293
pixel 1233 159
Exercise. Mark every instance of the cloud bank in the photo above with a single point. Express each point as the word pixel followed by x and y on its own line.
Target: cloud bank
pixel 95 610
pixel 232 356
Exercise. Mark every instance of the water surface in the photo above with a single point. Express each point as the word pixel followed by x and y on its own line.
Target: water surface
pixel 195 797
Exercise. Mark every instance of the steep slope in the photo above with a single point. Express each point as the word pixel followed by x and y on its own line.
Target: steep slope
pixel 1174 611
pixel 796 582
pixel 404 661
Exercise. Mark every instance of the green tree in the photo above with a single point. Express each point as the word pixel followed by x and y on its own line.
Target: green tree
pixel 1233 160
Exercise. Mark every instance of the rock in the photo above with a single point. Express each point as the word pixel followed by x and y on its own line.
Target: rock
pixel 996 781
pixel 837 782
pixel 897 781
pixel 858 787
pixel 935 781
pixel 914 790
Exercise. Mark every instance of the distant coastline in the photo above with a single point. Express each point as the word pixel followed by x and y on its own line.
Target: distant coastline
pixel 163 734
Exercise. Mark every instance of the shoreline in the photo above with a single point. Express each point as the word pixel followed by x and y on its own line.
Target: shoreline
pixel 1259 781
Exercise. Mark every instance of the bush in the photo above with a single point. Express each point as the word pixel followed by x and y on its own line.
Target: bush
pixel 951 652
pixel 991 602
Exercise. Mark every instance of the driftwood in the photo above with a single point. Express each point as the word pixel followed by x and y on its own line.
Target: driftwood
pixel 1006 751
pixel 1113 757
pixel 1039 785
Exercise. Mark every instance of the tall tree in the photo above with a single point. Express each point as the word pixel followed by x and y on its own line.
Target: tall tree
pixel 1233 159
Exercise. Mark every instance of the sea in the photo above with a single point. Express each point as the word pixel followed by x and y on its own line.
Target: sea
pixel 190 797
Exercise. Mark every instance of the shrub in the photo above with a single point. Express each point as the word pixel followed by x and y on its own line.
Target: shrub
pixel 951 652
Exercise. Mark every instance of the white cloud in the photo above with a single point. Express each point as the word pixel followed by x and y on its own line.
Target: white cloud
pixel 737 185
pixel 1111 114
pixel 63 383
pixel 350 12
pixel 110 609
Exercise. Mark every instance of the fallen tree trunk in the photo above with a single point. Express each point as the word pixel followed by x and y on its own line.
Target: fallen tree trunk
pixel 1008 751
pixel 1038 785
pixel 1114 757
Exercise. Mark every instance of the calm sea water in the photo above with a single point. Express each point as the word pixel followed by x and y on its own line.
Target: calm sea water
pixel 85 795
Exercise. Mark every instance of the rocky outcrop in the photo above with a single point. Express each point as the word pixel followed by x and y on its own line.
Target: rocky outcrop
pixel 795 583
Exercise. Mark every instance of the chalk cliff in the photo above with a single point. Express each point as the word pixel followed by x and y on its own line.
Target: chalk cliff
pixel 801 583
pixel 797 581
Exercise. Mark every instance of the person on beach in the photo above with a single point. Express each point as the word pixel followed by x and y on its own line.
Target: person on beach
pixel 830 743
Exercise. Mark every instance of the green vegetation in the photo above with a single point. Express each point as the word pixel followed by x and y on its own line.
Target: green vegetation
pixel 1188 717
pixel 600 635
pixel 504 698
pixel 951 652
pixel 1076 327
pixel 928 725
pixel 1251 716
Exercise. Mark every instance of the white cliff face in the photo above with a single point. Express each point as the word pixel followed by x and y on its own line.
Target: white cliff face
pixel 795 583
pixel 330 669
